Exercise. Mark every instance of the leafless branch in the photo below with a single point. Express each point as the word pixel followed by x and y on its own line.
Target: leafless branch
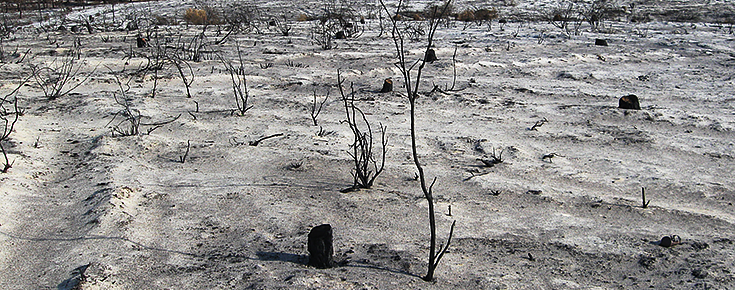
pixel 257 142
pixel 316 110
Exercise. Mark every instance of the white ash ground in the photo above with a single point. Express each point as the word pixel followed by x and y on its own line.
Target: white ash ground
pixel 237 216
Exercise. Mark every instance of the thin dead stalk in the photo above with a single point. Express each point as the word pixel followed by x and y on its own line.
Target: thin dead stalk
pixel 182 158
pixel 644 204
pixel 9 119
pixel 412 87
pixel 8 126
pixel 184 69
pixel 316 110
pixel 538 124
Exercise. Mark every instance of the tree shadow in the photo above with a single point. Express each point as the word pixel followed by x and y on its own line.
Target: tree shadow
pixel 77 276
pixel 366 265
pixel 304 260
pixel 285 257
pixel 96 237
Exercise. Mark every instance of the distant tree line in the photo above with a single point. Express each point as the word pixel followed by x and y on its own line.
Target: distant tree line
pixel 25 5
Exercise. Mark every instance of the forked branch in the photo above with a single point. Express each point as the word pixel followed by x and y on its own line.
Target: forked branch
pixel 316 107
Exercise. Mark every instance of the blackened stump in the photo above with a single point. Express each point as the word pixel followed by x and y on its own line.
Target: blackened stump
pixel 629 102
pixel 387 86
pixel 141 42
pixel 601 42
pixel 430 55
pixel 320 247
pixel 340 35
pixel 665 242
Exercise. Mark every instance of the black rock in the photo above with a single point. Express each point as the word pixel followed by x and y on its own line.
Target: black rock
pixel 601 42
pixel 629 102
pixel 141 42
pixel 665 242
pixel 669 241
pixel 320 247
pixel 387 86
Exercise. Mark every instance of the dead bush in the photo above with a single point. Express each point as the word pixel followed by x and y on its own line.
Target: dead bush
pixel 161 20
pixel 9 114
pixel 303 17
pixel 486 14
pixel 203 16
pixel 62 76
pixel 466 16
pixel 477 16
pixel 366 168
pixel 437 11
pixel 243 16
pixel 195 16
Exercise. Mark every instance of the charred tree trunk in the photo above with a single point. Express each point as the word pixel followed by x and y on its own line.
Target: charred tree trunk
pixel 320 247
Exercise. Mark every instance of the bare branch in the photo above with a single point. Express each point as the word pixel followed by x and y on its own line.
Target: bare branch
pixel 183 158
pixel 257 142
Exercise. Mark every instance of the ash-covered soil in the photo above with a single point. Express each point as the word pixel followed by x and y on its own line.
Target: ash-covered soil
pixel 85 207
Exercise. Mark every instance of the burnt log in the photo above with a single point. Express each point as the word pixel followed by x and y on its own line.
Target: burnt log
pixel 320 247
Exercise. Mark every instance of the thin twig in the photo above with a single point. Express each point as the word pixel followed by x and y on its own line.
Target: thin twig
pixel 643 194
pixel 538 124
pixel 444 250
pixel 256 142
pixel 162 122
pixel 315 111
pixel 183 158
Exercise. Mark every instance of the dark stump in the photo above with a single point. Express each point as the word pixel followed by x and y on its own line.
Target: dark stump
pixel 669 241
pixel 141 42
pixel 629 102
pixel 320 247
pixel 430 55
pixel 387 86
pixel 601 42
pixel 340 35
